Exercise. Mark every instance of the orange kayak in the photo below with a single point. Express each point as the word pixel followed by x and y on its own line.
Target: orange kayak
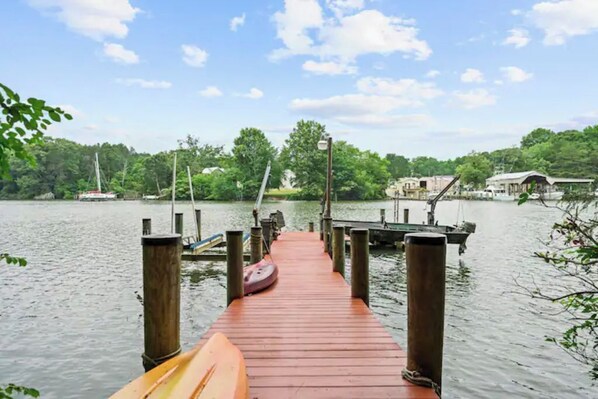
pixel 216 370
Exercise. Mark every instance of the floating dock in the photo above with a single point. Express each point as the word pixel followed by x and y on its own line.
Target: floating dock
pixel 305 337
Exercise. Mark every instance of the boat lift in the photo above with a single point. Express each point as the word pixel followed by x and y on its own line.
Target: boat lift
pixel 258 201
pixel 432 202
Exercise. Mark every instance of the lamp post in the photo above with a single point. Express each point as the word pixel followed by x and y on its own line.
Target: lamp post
pixel 327 145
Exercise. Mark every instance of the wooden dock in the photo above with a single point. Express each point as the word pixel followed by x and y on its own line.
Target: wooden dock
pixel 306 337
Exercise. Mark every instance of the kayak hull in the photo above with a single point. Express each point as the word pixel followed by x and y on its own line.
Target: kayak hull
pixel 215 370
pixel 259 276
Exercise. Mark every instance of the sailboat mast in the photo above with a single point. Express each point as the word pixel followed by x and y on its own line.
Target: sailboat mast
pixel 192 200
pixel 98 173
pixel 173 189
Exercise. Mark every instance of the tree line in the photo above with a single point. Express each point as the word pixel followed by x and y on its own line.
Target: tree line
pixel 65 168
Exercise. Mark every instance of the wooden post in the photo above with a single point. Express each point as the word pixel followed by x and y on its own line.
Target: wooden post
pixel 382 215
pixel 321 226
pixel 311 227
pixel 234 265
pixel 426 264
pixel 178 223
pixel 198 221
pixel 327 234
pixel 338 249
pixel 146 227
pixel 266 232
pixel 360 265
pixel 256 244
pixel 406 215
pixel 161 298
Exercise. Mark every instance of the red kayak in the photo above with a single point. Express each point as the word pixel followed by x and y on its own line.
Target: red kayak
pixel 259 276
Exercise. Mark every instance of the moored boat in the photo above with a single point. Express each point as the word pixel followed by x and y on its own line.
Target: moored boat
pixel 97 195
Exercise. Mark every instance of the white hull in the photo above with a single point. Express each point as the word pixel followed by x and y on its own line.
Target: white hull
pixel 150 197
pixel 91 196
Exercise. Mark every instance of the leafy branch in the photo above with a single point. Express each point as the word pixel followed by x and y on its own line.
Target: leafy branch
pixel 7 391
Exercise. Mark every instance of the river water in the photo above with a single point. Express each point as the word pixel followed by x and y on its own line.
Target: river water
pixel 71 321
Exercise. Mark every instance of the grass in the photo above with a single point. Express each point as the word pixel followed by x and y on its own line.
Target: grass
pixel 280 192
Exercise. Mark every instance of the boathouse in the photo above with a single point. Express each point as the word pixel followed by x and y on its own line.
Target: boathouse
pixel 513 184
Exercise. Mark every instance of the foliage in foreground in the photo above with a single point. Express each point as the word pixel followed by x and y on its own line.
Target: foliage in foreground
pixel 572 251
pixel 7 391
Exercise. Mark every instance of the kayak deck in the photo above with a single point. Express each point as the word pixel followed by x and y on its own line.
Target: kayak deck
pixel 307 338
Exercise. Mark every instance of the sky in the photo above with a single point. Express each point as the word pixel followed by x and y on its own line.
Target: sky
pixel 436 78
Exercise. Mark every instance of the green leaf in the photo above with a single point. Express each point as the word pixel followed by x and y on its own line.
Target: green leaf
pixel 68 117
pixel 54 116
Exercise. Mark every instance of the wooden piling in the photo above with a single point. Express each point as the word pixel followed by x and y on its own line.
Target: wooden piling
pixel 266 234
pixel 234 265
pixel 382 215
pixel 255 243
pixel 327 234
pixel 338 249
pixel 178 223
pixel 311 227
pixel 161 298
pixel 198 222
pixel 146 226
pixel 406 215
pixel 426 264
pixel 360 265
pixel 321 226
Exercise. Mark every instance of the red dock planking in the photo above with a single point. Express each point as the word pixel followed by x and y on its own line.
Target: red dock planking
pixel 307 338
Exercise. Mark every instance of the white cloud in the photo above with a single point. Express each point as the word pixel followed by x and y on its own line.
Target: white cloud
pixel 563 19
pixel 329 68
pixel 236 22
pixel 472 75
pixel 92 18
pixel 499 82
pixel 518 38
pixel 253 94
pixel 342 38
pixel 340 7
pixel 211 91
pixel 375 105
pixel 410 90
pixel 194 56
pixel 117 53
pixel 292 26
pixel 432 74
pixel 145 84
pixel 515 74
pixel 474 98
pixel 516 12
pixel 91 127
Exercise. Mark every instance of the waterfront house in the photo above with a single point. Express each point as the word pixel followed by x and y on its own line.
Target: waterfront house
pixel 420 188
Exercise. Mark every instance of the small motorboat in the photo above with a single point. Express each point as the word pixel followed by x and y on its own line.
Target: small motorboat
pixel 215 370
pixel 259 276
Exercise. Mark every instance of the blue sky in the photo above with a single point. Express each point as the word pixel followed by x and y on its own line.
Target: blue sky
pixel 438 78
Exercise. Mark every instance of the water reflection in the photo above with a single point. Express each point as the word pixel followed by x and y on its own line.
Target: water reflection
pixel 197 272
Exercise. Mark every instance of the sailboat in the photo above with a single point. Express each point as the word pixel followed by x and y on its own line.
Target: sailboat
pixel 97 195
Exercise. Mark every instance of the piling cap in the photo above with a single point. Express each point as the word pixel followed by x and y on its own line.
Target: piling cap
pixel 161 239
pixel 359 231
pixel 425 239
pixel 234 232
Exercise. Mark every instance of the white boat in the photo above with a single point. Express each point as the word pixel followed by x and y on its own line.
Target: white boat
pixel 97 195
pixel 150 197
pixel 497 194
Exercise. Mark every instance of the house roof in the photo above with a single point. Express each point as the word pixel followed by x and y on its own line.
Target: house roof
pixel 514 176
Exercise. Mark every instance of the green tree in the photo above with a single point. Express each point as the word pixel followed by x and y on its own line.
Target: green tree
pixel 23 123
pixel 251 153
pixel 536 136
pixel 398 166
pixel 301 155
pixel 475 169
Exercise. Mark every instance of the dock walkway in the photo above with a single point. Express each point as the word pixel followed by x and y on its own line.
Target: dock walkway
pixel 307 338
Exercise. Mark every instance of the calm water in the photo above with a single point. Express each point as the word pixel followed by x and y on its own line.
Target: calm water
pixel 71 321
